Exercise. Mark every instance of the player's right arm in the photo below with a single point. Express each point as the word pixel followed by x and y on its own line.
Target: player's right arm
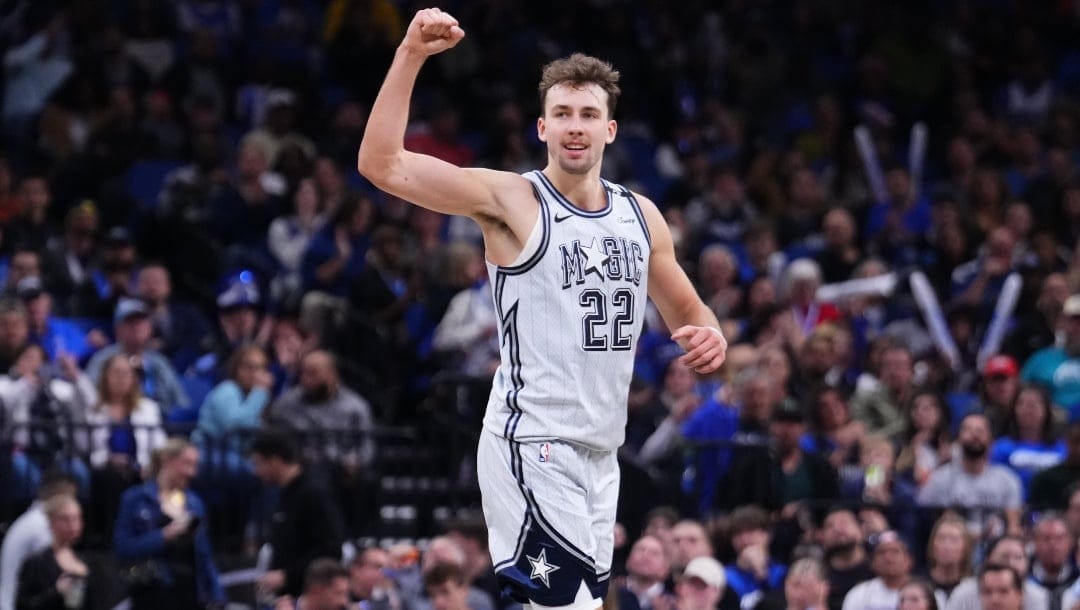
pixel 422 179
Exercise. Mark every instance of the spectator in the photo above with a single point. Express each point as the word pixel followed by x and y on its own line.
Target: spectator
pixel 1052 568
pixel 442 550
pixel 997 391
pixel 691 541
pixel 1051 366
pixel 305 523
pixel 369 583
pixel 181 331
pixel 646 570
pixel 235 406
pixel 337 253
pixel 59 577
pixel 917 594
pixel 1035 330
pixel 701 585
pixel 1009 551
pixel 891 564
pixel 805 588
pixel 321 404
pixel 126 430
pixel 746 423
pixel 754 572
pixel 14 331
pixel 845 555
pixel 55 335
pixel 782 475
pixel 972 482
pixel 471 536
pixel 1030 443
pixel 833 433
pixel 326 587
pixel 238 318
pixel 881 410
pixel 29 535
pixel 289 236
pixel 717 278
pixel 134 332
pixel 948 556
pixel 70 266
pixel 1049 488
pixel 841 253
pixel 1000 588
pixel 161 535
pixel 928 441
pixel 446 587
pixel 30 230
pixel 468 330
pixel 42 408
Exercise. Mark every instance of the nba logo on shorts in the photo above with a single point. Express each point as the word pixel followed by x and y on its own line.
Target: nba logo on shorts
pixel 545 452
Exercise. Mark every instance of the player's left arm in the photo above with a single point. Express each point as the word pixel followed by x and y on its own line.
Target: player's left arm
pixel 694 326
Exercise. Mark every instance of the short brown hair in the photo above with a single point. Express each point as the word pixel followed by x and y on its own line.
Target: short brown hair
pixel 323 572
pixel 581 69
pixel 442 573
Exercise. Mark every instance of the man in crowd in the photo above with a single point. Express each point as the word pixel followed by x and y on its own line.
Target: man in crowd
pixel 369 585
pixel 846 563
pixel 891 563
pixel 305 524
pixel 647 568
pixel 701 585
pixel 1000 588
pixel 326 587
pixel 1052 569
pixel 972 482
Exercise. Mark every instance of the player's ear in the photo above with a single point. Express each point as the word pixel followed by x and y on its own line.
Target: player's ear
pixel 612 129
pixel 541 129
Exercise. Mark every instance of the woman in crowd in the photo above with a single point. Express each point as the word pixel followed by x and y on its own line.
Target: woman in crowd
pixel 948 555
pixel 161 536
pixel 928 443
pixel 58 577
pixel 1030 443
pixel 917 595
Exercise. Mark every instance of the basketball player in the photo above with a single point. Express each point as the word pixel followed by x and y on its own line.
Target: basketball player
pixel 572 260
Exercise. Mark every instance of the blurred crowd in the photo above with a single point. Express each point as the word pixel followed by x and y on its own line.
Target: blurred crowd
pixel 880 200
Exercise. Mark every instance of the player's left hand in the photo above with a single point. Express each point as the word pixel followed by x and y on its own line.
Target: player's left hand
pixel 705 348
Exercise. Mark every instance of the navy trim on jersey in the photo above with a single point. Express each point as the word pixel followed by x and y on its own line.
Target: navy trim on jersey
pixel 549 187
pixel 526 523
pixel 534 508
pixel 637 211
pixel 545 219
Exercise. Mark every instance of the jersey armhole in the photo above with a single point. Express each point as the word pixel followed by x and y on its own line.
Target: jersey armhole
pixel 535 245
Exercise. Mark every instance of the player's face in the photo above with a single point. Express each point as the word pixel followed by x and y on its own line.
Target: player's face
pixel 576 126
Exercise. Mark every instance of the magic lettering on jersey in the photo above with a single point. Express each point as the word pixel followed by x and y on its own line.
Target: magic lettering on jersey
pixel 608 258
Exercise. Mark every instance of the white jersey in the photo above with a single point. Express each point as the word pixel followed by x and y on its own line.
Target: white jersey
pixel 570 313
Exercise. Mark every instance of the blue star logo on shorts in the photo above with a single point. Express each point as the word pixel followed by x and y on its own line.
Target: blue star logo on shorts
pixel 541 568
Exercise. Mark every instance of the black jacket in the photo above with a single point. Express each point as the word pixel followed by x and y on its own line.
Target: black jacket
pixel 37 585
pixel 306 525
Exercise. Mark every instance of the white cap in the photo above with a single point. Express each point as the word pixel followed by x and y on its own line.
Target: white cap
pixel 709 570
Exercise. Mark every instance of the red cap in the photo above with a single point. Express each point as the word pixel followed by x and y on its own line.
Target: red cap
pixel 1001 365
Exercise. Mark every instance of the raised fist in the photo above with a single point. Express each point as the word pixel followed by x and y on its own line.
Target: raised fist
pixel 432 31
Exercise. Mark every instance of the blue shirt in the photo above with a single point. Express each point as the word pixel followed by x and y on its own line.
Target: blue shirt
pixel 713 421
pixel 63 336
pixel 1026 459
pixel 744 584
pixel 1052 368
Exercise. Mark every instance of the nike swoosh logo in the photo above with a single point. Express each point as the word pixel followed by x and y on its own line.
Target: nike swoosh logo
pixel 561 218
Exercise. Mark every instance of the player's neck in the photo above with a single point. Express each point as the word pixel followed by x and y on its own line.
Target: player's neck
pixel 583 190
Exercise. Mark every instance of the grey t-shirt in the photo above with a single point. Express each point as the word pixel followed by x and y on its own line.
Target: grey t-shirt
pixel 996 487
